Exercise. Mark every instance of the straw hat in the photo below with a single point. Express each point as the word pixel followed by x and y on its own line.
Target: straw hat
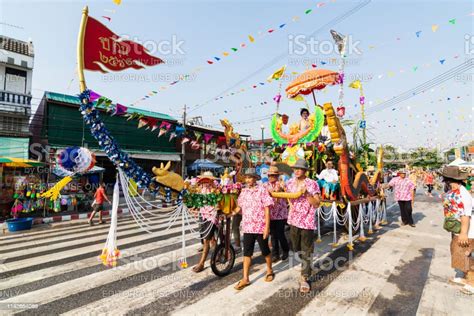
pixel 300 164
pixel 206 176
pixel 273 171
pixel 250 172
pixel 454 172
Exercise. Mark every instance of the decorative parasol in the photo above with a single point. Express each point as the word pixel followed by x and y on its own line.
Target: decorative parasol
pixel 310 80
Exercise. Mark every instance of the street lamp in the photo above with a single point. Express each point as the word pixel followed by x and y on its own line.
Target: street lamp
pixel 262 128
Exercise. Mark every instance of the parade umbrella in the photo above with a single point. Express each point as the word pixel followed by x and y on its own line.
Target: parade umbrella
pixel 310 80
pixel 19 162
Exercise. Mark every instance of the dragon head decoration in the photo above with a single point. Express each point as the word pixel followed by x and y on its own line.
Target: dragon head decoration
pixel 168 178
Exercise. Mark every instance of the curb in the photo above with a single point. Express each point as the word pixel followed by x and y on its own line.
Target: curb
pixel 70 217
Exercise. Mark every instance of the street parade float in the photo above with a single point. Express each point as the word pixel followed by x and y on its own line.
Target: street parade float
pixel 356 202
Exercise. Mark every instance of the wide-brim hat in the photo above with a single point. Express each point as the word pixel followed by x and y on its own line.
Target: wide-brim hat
pixel 251 173
pixel 273 171
pixel 206 176
pixel 402 171
pixel 300 164
pixel 454 172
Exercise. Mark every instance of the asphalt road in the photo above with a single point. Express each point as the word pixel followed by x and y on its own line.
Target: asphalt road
pixel 397 270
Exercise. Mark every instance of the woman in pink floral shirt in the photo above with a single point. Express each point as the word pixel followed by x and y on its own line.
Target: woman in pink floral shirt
pixel 278 216
pixel 254 202
pixel 302 218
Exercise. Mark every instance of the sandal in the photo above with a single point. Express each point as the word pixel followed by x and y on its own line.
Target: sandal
pixel 198 268
pixel 304 287
pixel 457 281
pixel 241 285
pixel 270 277
pixel 468 289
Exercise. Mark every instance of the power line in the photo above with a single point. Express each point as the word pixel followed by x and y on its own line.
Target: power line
pixel 331 23
pixel 422 87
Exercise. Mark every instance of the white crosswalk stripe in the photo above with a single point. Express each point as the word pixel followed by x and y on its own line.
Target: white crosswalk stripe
pixel 70 280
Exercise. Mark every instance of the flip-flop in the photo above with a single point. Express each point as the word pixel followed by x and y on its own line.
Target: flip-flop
pixel 270 277
pixel 240 285
pixel 457 281
pixel 198 268
pixel 468 289
pixel 304 287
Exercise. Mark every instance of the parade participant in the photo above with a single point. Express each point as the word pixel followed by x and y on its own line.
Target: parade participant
pixel 301 218
pixel 208 218
pixel 98 204
pixel 328 180
pixel 254 202
pixel 458 206
pixel 429 180
pixel 404 194
pixel 278 216
pixel 304 122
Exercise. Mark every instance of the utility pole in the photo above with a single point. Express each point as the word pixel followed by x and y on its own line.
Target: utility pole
pixel 183 145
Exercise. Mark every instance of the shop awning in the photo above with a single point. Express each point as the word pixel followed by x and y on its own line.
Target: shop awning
pixel 19 162
pixel 164 156
pixel 204 164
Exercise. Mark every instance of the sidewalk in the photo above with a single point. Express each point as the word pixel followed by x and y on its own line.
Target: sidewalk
pixel 405 272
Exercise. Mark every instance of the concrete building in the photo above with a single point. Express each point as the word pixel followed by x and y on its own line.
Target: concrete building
pixel 16 72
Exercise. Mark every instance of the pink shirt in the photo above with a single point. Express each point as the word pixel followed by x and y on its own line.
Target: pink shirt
pixel 208 213
pixel 253 202
pixel 403 188
pixel 302 214
pixel 279 210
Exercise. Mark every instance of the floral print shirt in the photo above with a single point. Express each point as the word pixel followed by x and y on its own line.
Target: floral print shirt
pixel 302 214
pixel 253 201
pixel 279 210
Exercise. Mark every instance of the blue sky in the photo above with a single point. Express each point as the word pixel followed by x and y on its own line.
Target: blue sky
pixel 385 31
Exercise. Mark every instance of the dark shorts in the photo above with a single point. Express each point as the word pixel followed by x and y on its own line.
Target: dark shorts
pixel 98 207
pixel 207 229
pixel 249 244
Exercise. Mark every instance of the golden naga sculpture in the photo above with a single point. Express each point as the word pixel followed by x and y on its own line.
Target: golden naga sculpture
pixel 354 181
pixel 232 138
pixel 168 178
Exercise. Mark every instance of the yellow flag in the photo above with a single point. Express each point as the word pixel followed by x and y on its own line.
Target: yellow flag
pixel 251 39
pixel 355 84
pixel 434 27
pixel 117 2
pixel 225 53
pixel 277 74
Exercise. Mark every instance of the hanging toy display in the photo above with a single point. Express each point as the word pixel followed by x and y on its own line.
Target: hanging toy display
pixel 72 160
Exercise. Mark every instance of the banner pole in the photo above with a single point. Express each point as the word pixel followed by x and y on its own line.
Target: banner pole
pixel 80 49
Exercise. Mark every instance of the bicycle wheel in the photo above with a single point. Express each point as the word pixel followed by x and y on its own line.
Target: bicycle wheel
pixel 221 264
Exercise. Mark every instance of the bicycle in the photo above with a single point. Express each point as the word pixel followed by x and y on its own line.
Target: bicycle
pixel 223 255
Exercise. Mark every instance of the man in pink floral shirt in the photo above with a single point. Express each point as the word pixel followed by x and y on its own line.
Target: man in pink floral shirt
pixel 278 216
pixel 254 202
pixel 404 194
pixel 301 218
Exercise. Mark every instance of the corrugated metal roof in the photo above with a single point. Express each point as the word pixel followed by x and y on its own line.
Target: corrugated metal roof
pixel 71 99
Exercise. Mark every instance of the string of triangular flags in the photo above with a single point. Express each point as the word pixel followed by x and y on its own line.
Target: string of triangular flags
pixel 226 53
pixel 170 129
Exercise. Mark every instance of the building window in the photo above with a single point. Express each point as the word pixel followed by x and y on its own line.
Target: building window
pixel 15 80
pixel 24 64
pixel 11 124
pixel 10 60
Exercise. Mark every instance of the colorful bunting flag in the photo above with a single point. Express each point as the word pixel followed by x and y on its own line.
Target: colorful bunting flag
pixel 251 39
pixel 207 137
pixel 434 27
pixel 277 74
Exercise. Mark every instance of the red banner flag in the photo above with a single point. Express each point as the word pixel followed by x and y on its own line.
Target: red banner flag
pixel 105 51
